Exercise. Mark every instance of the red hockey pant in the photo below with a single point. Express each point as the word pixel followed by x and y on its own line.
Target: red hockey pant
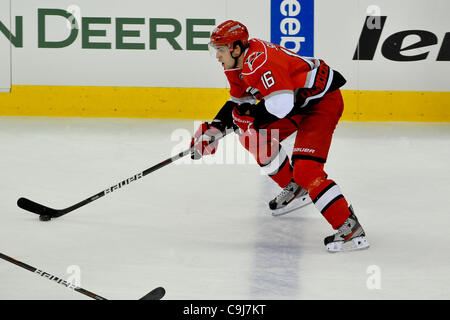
pixel 314 131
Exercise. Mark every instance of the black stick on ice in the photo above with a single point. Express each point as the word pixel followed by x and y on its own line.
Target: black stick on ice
pixel 155 294
pixel 42 210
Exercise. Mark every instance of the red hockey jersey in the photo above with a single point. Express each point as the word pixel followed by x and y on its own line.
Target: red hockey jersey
pixel 282 77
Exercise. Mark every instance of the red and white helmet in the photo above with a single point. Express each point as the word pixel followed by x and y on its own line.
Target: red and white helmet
pixel 228 32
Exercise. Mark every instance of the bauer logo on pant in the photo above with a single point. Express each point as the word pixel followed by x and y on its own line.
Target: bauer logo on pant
pixel 304 150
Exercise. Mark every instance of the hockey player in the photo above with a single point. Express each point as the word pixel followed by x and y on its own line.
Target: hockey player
pixel 275 93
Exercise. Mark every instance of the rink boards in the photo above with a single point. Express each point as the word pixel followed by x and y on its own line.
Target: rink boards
pixel 108 59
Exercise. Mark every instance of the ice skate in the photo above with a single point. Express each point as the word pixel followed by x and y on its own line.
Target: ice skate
pixel 350 236
pixel 291 198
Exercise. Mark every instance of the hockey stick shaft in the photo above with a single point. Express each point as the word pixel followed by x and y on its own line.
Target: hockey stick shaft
pixel 51 277
pixel 34 207
pixel 127 181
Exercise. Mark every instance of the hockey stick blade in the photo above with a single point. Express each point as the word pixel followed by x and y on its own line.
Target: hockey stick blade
pixel 37 208
pixel 155 294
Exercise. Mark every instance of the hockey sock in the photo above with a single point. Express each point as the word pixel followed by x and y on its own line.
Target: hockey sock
pixel 328 199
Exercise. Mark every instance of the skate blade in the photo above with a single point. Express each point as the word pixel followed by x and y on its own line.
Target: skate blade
pixel 357 243
pixel 294 205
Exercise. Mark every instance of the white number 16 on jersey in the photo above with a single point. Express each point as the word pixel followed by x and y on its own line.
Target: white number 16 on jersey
pixel 267 79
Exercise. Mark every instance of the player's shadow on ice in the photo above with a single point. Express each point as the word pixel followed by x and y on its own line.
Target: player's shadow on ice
pixel 279 245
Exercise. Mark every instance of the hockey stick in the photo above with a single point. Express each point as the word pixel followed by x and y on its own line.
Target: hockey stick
pixel 46 213
pixel 155 294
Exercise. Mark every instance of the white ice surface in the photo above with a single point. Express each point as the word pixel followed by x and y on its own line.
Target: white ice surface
pixel 203 231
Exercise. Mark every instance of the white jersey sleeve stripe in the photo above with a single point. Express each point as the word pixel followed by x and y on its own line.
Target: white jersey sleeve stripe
pixel 320 95
pixel 310 78
pixel 248 99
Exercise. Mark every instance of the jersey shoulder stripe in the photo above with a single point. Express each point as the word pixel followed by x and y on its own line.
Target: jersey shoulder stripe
pixel 308 60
